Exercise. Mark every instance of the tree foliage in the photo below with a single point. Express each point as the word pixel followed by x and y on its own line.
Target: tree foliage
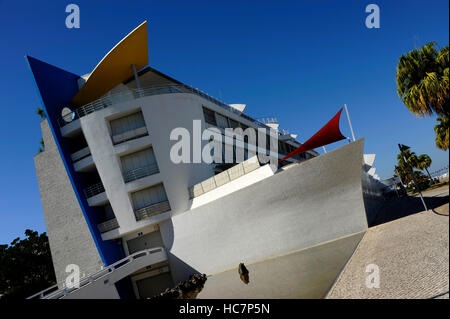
pixel 26 266
pixel 422 80
pixel 420 162
pixel 41 113
pixel 442 131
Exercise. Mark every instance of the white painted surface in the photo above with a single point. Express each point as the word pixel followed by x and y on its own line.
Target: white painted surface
pixel 312 202
pixel 233 186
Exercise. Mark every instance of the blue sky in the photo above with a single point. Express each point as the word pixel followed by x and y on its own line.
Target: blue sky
pixel 297 60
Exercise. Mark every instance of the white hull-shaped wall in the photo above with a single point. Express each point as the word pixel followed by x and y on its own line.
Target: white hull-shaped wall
pixel 308 204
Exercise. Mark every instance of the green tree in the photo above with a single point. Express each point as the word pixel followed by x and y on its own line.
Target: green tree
pixel 411 157
pixel 423 163
pixel 26 266
pixel 422 80
pixel 421 179
pixel 442 131
pixel 41 113
pixel 42 147
pixel 402 169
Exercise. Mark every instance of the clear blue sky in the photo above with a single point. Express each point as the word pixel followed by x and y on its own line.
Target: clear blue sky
pixel 297 60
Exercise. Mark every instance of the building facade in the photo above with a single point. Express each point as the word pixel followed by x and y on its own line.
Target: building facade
pixel 108 182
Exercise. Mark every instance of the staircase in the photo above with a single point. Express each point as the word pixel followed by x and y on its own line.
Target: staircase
pixel 100 285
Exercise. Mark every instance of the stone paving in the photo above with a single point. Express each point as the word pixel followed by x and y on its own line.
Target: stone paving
pixel 412 254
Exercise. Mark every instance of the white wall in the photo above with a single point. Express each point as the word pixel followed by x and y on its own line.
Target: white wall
pixel 162 113
pixel 310 203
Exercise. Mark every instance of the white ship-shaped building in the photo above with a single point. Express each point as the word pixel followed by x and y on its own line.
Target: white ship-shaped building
pixel 135 223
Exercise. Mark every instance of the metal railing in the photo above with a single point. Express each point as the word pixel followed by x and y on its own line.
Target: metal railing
pixel 152 210
pixel 109 100
pixel 124 265
pixel 129 135
pixel 108 225
pixel 94 190
pixel 268 120
pixel 81 154
pixel 140 172
pixel 224 177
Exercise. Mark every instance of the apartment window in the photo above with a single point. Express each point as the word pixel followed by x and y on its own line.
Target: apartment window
pixel 149 196
pixel 150 201
pixel 290 148
pixel 209 116
pixel 281 149
pixel 222 121
pixel 139 164
pixel 128 127
pixel 234 124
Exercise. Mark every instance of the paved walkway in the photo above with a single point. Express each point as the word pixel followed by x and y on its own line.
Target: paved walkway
pixel 412 254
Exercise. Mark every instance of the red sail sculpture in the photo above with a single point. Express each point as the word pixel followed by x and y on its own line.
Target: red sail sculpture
pixel 328 134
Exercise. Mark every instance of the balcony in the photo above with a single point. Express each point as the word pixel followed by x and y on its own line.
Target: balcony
pixel 129 135
pixel 140 172
pixel 108 225
pixel 93 190
pixel 79 155
pixel 82 160
pixel 106 101
pixel 152 210
pixel 96 195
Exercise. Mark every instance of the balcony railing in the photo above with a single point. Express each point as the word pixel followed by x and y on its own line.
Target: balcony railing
pixel 79 155
pixel 94 190
pixel 224 177
pixel 109 100
pixel 152 210
pixel 129 135
pixel 140 172
pixel 108 225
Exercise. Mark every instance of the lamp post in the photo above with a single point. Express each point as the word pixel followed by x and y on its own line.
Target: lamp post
pixel 403 148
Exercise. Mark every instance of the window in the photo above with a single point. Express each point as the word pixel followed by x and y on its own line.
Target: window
pixel 127 123
pixel 139 164
pixel 149 196
pixel 128 127
pixel 222 121
pixel 209 116
pixel 234 124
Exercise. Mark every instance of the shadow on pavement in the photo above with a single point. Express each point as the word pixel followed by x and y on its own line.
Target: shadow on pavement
pixel 401 207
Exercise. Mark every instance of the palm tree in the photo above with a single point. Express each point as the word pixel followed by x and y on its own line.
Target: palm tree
pixel 402 169
pixel 422 80
pixel 424 162
pixel 411 157
pixel 442 132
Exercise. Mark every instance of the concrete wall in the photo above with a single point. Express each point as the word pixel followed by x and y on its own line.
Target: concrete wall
pixel 69 236
pixel 307 204
pixel 307 273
